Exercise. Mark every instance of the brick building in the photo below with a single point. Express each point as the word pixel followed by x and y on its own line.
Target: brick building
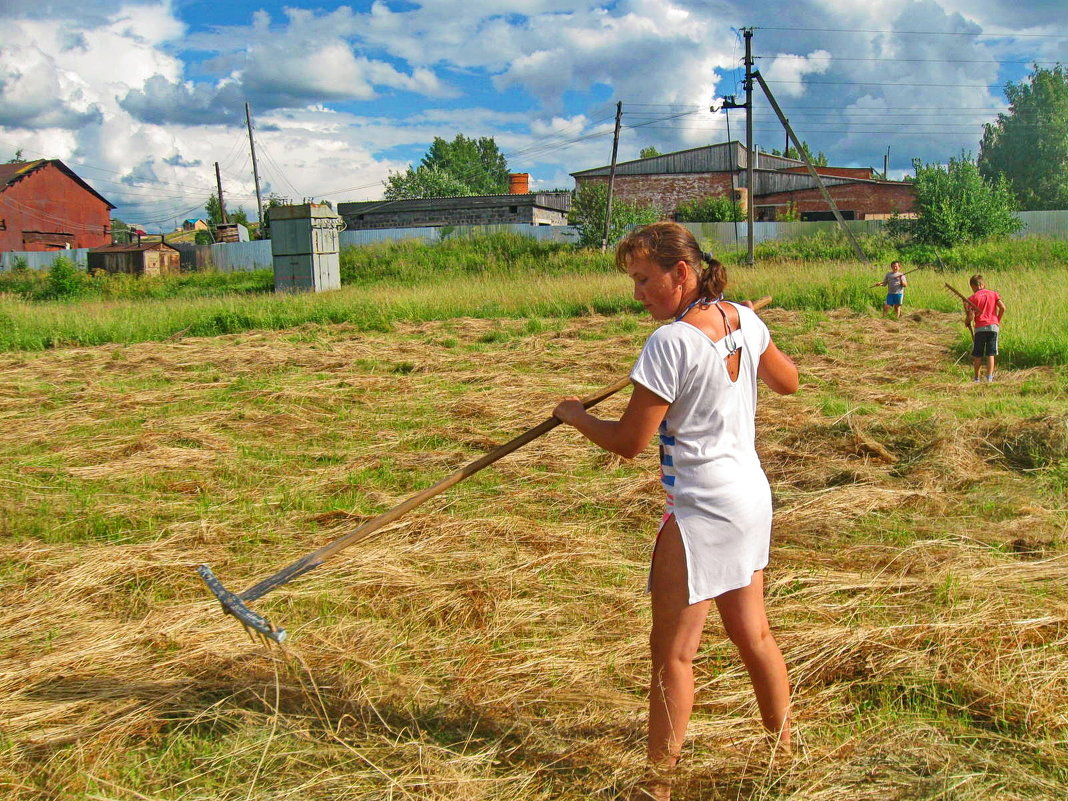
pixel 780 183
pixel 45 206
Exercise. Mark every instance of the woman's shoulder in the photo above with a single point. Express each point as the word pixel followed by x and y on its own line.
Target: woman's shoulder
pixel 675 331
pixel 674 338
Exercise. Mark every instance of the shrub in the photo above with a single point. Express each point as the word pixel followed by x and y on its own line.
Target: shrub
pixel 65 280
pixel 957 205
pixel 588 208
pixel 712 208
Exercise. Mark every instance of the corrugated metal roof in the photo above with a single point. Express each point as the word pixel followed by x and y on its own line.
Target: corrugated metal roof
pixel 134 248
pixel 17 170
pixel 721 157
pixel 769 182
pixel 559 201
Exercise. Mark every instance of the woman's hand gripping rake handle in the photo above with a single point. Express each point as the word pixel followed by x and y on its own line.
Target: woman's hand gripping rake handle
pixel 237 604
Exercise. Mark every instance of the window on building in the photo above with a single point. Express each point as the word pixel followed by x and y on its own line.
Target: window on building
pixel 825 216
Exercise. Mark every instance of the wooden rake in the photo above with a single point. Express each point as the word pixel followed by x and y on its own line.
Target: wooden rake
pixel 236 604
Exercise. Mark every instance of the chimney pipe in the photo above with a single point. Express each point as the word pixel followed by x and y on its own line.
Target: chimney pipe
pixel 518 183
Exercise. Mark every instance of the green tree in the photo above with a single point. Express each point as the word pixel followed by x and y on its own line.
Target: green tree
pixel 238 216
pixel 711 208
pixel 120 232
pixel 17 158
pixel 818 160
pixel 957 205
pixel 213 210
pixel 1029 144
pixel 215 216
pixel 477 163
pixel 649 153
pixel 588 205
pixel 425 182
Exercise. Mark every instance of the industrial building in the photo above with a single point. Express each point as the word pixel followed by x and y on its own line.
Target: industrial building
pixel 780 183
pixel 44 205
pixel 518 206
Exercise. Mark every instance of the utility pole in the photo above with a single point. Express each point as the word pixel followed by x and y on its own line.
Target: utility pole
pixel 811 169
pixel 255 171
pixel 218 183
pixel 750 175
pixel 611 178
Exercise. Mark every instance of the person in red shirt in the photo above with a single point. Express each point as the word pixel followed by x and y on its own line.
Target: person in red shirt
pixel 983 311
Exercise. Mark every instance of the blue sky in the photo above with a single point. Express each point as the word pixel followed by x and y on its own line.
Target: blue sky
pixel 142 97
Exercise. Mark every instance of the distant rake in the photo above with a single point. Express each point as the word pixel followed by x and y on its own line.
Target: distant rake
pixel 236 604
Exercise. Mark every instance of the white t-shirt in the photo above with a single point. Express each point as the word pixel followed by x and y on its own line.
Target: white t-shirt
pixel 711 473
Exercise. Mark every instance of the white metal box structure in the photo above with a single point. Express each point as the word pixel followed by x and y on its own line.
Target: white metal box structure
pixel 304 247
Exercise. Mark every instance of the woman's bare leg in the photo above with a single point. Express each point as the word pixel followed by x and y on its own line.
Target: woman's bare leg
pixel 746 623
pixel 673 643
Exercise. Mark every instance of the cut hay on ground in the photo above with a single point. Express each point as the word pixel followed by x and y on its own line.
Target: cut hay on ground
pixel 491 645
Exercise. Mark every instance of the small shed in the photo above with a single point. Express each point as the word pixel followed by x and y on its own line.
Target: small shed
pixel 147 258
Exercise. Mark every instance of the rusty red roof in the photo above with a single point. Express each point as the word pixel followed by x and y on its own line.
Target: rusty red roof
pixel 17 170
pixel 134 248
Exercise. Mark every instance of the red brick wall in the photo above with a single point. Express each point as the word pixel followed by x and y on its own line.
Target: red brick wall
pixel 665 192
pixel 52 209
pixel 860 198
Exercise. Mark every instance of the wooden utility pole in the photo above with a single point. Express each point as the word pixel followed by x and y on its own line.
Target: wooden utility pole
pixel 218 183
pixel 811 169
pixel 611 178
pixel 255 170
pixel 750 175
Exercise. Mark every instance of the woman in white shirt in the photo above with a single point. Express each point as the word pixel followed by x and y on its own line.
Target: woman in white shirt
pixel 695 384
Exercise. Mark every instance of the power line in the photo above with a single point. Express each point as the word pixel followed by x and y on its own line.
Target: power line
pixel 884 83
pixel 833 57
pixel 918 33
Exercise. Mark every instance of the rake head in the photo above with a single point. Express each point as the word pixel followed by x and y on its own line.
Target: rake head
pixel 232 604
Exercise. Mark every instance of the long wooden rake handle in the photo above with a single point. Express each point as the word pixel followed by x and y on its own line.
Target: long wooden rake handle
pixel 236 603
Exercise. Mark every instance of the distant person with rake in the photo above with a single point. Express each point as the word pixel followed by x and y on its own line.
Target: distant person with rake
pixel 895 283
pixel 983 310
pixel 695 385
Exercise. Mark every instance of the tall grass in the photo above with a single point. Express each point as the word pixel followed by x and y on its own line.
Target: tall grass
pixel 514 276
pixel 991 255
pixel 1035 330
pixel 67 283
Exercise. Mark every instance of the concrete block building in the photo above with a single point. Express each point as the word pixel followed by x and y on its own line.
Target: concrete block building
pixel 519 206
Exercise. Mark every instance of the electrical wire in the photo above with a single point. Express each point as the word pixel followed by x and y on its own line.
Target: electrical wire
pixel 917 33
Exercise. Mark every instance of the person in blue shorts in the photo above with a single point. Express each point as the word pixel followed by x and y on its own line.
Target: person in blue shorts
pixel 895 283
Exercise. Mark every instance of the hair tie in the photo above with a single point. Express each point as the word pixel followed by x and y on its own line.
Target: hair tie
pixel 707 257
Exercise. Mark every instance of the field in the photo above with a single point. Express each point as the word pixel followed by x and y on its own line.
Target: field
pixel 491 644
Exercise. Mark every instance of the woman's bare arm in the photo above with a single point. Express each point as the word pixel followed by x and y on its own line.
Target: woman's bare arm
pixel 629 435
pixel 778 370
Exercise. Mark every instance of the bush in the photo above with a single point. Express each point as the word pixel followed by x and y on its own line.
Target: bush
pixel 65 280
pixel 957 205
pixel 712 208
pixel 588 207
